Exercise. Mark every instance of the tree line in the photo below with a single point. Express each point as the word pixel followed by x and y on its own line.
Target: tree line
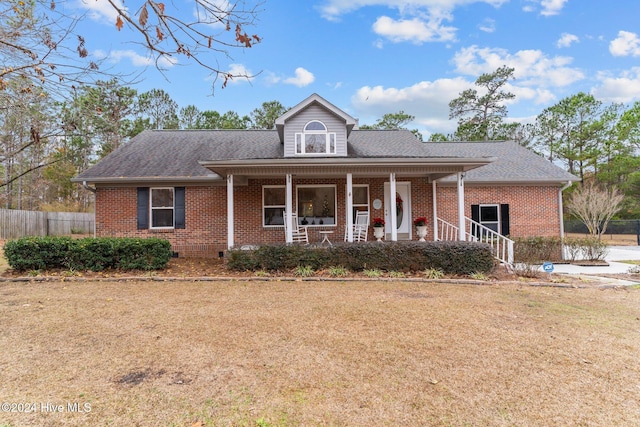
pixel 44 141
pixel 597 142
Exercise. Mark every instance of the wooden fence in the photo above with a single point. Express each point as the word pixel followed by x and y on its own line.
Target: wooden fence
pixel 17 223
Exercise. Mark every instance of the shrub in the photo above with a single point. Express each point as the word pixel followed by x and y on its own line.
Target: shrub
pixel 304 271
pixel 372 273
pixel 589 248
pixel 536 250
pixel 42 253
pixel 337 271
pixel 38 253
pixel 450 257
pixel 433 273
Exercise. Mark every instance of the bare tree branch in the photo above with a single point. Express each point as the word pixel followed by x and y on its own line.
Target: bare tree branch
pixel 595 206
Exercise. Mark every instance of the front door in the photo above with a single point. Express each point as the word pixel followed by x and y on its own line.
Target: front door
pixel 402 204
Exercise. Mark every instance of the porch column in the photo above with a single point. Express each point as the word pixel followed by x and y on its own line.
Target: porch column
pixel 349 208
pixel 435 211
pixel 288 209
pixel 230 224
pixel 461 222
pixel 392 207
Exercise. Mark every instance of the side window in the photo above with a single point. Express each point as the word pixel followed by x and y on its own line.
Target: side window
pixel 493 216
pixel 161 208
pixel 490 217
pixel 273 204
pixel 360 199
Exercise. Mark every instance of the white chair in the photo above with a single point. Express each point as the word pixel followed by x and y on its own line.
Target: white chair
pixel 360 227
pixel 299 233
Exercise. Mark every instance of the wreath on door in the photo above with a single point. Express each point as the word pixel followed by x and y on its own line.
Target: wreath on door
pixel 399 210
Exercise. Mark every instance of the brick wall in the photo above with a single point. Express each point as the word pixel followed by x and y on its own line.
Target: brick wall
pixel 533 212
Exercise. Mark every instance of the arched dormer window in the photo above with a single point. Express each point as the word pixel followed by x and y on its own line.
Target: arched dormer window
pixel 315 139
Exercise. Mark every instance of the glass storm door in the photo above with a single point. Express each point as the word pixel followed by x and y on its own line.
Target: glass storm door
pixel 401 202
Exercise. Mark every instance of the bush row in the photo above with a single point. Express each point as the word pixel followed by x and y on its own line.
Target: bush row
pixel 536 250
pixel 450 257
pixel 96 254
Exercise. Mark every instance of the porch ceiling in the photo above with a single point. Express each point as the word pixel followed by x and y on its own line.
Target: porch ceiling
pixel 431 169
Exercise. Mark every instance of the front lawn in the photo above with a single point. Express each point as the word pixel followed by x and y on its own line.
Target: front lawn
pixel 257 353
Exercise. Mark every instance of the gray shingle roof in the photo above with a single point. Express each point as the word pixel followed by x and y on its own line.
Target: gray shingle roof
pixel 175 154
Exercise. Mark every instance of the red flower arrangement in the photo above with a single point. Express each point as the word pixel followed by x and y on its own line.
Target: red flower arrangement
pixel 420 221
pixel 378 222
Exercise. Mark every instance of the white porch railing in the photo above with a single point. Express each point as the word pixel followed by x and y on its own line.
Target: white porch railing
pixel 475 232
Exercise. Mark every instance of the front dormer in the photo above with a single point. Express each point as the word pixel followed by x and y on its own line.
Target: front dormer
pixel 315 128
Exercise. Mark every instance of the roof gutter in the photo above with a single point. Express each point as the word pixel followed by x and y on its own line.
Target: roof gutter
pixel 85 185
pixel 141 179
pixel 395 161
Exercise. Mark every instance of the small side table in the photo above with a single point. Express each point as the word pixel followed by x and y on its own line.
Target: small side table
pixel 325 236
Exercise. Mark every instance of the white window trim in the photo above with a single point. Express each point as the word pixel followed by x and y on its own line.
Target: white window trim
pixel 300 136
pixel 271 207
pixel 335 203
pixel 151 208
pixel 487 205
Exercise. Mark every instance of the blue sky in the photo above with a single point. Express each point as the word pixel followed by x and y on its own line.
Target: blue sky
pixel 371 57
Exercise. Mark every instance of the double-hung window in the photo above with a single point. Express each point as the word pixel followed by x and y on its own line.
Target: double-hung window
pixel 493 216
pixel 273 205
pixel 315 140
pixel 161 208
pixel 360 198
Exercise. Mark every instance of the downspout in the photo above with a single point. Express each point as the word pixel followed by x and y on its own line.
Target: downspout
pixel 567 185
pixel 93 190
pixel 88 187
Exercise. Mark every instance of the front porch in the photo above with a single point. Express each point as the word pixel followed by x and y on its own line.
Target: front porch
pixel 414 197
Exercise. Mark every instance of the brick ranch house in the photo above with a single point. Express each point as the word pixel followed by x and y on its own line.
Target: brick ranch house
pixel 210 190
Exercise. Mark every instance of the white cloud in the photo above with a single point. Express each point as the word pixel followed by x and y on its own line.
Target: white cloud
pixel 240 73
pixel 419 21
pixel 137 60
pixel 333 9
pixel 566 40
pixel 302 78
pixel 488 25
pixel 549 7
pixel 427 101
pixel 413 30
pixel 101 10
pixel 625 44
pixel 532 67
pixel 623 88
pixel 552 7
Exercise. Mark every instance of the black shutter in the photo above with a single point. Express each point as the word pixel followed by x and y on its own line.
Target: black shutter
pixel 475 213
pixel 179 203
pixel 504 219
pixel 475 216
pixel 143 208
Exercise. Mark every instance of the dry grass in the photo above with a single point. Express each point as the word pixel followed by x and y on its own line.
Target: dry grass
pixel 319 353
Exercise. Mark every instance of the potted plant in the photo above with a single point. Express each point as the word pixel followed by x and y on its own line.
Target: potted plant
pixel 421 227
pixel 378 228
